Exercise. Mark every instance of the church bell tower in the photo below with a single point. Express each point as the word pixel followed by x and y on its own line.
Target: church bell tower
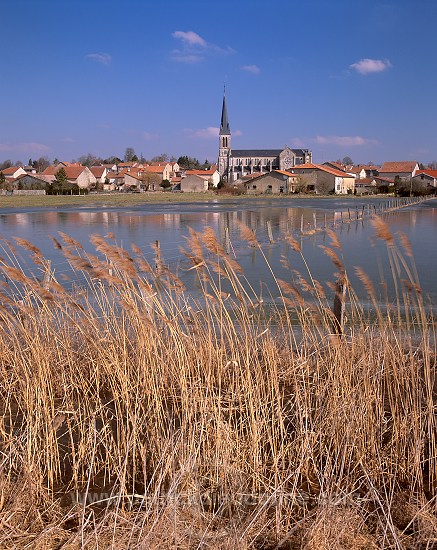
pixel 225 143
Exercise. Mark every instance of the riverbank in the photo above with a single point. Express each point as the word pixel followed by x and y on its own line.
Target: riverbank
pixel 137 199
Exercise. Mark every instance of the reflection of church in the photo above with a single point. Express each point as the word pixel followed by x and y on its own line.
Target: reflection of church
pixel 235 163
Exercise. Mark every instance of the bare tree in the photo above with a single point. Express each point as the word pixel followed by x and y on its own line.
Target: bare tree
pixel 150 181
pixel 129 154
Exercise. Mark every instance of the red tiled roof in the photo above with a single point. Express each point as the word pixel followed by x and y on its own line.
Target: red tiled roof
pixel 285 173
pixel 252 176
pixel 155 169
pixel 98 171
pixel 72 171
pixel 209 172
pixel 336 165
pixel 134 175
pixel 10 170
pixel 428 172
pixel 333 171
pixel 401 166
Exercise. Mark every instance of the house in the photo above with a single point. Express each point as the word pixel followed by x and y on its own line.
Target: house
pixel 76 174
pixel 275 182
pixel 117 181
pixel 211 175
pixel 427 176
pixel 363 171
pixel 365 186
pixel 402 169
pixel 110 167
pixel 164 170
pixel 113 181
pixel 13 172
pixel 175 169
pixel 324 179
pixel 384 185
pixel 132 181
pixel 99 172
pixel 127 165
pixel 194 184
pixel 29 169
pixel 30 182
pixel 335 165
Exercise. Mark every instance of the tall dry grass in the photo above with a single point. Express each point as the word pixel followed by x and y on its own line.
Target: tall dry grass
pixel 134 415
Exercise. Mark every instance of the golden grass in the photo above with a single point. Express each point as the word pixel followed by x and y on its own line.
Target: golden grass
pixel 112 199
pixel 136 416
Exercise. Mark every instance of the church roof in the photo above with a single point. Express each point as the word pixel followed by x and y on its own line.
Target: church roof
pixel 256 152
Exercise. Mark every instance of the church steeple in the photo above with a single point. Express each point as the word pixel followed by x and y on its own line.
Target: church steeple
pixel 224 125
pixel 225 142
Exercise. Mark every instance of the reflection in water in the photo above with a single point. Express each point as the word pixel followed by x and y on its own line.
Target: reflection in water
pixel 304 220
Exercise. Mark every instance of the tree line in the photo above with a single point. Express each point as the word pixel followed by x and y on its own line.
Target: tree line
pixel 184 161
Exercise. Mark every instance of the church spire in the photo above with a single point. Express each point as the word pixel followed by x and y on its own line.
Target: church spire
pixel 224 124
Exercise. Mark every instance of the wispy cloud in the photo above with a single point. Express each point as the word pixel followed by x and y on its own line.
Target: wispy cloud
pixel 103 58
pixel 148 136
pixel 212 132
pixel 194 48
pixel 344 141
pixel 190 37
pixel 24 147
pixel 254 69
pixel 368 66
pixel 184 57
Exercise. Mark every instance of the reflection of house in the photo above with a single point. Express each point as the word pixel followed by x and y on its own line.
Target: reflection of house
pixel 275 182
pixel 403 169
pixel 324 179
pixel 193 184
pixel 236 163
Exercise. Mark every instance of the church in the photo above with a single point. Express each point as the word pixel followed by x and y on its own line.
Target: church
pixel 233 164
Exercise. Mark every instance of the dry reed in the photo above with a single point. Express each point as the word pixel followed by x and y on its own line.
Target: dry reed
pixel 134 415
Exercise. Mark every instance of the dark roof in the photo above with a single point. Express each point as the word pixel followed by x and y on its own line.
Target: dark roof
pixel 299 152
pixel 256 152
pixel 264 152
pixel 224 124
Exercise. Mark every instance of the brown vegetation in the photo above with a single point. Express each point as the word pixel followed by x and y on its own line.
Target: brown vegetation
pixel 136 416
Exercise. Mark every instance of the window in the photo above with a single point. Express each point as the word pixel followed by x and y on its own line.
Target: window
pixel 253 186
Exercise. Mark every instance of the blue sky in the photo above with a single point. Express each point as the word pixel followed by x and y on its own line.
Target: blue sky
pixel 342 77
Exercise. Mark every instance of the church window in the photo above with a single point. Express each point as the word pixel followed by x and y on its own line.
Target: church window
pixel 253 186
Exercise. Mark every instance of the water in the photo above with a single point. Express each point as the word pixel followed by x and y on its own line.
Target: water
pixel 169 224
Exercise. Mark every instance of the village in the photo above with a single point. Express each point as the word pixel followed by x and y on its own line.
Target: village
pixel 401 178
pixel 238 171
